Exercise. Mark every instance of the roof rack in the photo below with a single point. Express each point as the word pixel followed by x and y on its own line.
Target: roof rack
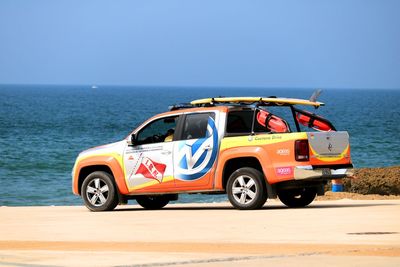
pixel 216 103
pixel 180 106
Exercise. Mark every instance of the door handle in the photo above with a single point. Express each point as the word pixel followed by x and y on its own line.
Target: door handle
pixel 166 152
pixel 207 147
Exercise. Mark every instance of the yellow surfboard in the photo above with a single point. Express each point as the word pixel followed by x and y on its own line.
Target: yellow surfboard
pixel 278 101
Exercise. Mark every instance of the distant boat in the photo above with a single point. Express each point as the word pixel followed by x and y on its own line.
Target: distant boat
pixel 94 86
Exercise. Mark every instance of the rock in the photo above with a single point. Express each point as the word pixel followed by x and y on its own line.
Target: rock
pixel 381 181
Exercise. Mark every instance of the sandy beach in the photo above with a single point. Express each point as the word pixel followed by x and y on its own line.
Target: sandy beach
pixel 345 232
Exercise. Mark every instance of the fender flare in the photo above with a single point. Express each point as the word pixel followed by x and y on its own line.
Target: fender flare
pixel 253 152
pixel 106 160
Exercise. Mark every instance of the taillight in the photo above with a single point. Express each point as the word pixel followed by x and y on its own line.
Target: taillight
pixel 301 150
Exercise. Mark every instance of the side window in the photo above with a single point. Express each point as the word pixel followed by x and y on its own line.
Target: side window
pixel 240 122
pixel 161 130
pixel 195 125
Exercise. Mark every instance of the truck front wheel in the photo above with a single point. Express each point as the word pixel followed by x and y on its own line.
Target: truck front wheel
pixel 298 197
pixel 99 192
pixel 246 189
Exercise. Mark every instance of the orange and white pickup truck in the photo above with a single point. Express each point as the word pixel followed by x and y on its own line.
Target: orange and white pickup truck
pixel 251 148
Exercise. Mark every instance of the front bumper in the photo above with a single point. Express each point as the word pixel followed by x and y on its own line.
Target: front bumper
pixel 309 172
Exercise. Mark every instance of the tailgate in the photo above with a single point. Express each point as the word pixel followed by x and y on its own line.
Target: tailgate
pixel 329 148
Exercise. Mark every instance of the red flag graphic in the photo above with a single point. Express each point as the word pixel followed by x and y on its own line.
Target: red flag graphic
pixel 151 169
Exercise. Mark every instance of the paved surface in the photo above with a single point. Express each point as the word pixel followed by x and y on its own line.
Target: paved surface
pixel 332 233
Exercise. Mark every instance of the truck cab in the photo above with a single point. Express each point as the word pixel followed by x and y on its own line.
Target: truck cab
pixel 236 146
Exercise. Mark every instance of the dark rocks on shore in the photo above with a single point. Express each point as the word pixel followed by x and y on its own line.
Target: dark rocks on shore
pixel 382 181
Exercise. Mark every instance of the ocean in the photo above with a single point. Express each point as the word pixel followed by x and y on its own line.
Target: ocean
pixel 43 128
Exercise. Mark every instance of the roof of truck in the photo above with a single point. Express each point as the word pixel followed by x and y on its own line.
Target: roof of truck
pixel 253 100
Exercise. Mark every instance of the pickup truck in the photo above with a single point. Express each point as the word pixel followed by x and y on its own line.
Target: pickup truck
pixel 250 148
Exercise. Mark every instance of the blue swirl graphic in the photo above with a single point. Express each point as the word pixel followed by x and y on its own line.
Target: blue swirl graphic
pixel 195 147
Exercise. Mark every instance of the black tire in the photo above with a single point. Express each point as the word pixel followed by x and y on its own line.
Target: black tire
pixel 246 189
pixel 297 198
pixel 99 192
pixel 152 202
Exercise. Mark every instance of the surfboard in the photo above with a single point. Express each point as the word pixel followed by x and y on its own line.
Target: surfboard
pixel 249 100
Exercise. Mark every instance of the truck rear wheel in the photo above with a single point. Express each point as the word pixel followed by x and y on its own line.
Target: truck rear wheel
pixel 99 192
pixel 246 189
pixel 298 197
pixel 152 202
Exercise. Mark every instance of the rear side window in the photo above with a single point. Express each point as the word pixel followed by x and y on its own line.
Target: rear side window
pixel 195 125
pixel 240 122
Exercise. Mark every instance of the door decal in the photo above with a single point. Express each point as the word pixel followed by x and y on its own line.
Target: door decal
pixel 150 169
pixel 148 165
pixel 194 158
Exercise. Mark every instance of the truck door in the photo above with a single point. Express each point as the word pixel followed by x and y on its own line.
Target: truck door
pixel 148 162
pixel 196 151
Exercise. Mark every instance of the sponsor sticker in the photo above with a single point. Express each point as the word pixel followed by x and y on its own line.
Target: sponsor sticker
pixel 151 169
pixel 284 171
pixel 283 152
pixel 270 137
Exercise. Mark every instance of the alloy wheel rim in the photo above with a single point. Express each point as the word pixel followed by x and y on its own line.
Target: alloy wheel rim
pixel 244 189
pixel 97 192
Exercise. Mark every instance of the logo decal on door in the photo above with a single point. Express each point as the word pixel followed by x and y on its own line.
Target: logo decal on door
pixel 196 157
pixel 150 169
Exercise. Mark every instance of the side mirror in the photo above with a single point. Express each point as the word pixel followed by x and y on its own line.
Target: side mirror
pixel 132 140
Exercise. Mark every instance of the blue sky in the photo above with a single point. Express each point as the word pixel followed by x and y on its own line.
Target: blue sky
pixel 327 44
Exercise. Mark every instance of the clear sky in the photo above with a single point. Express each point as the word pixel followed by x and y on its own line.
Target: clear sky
pixel 299 43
